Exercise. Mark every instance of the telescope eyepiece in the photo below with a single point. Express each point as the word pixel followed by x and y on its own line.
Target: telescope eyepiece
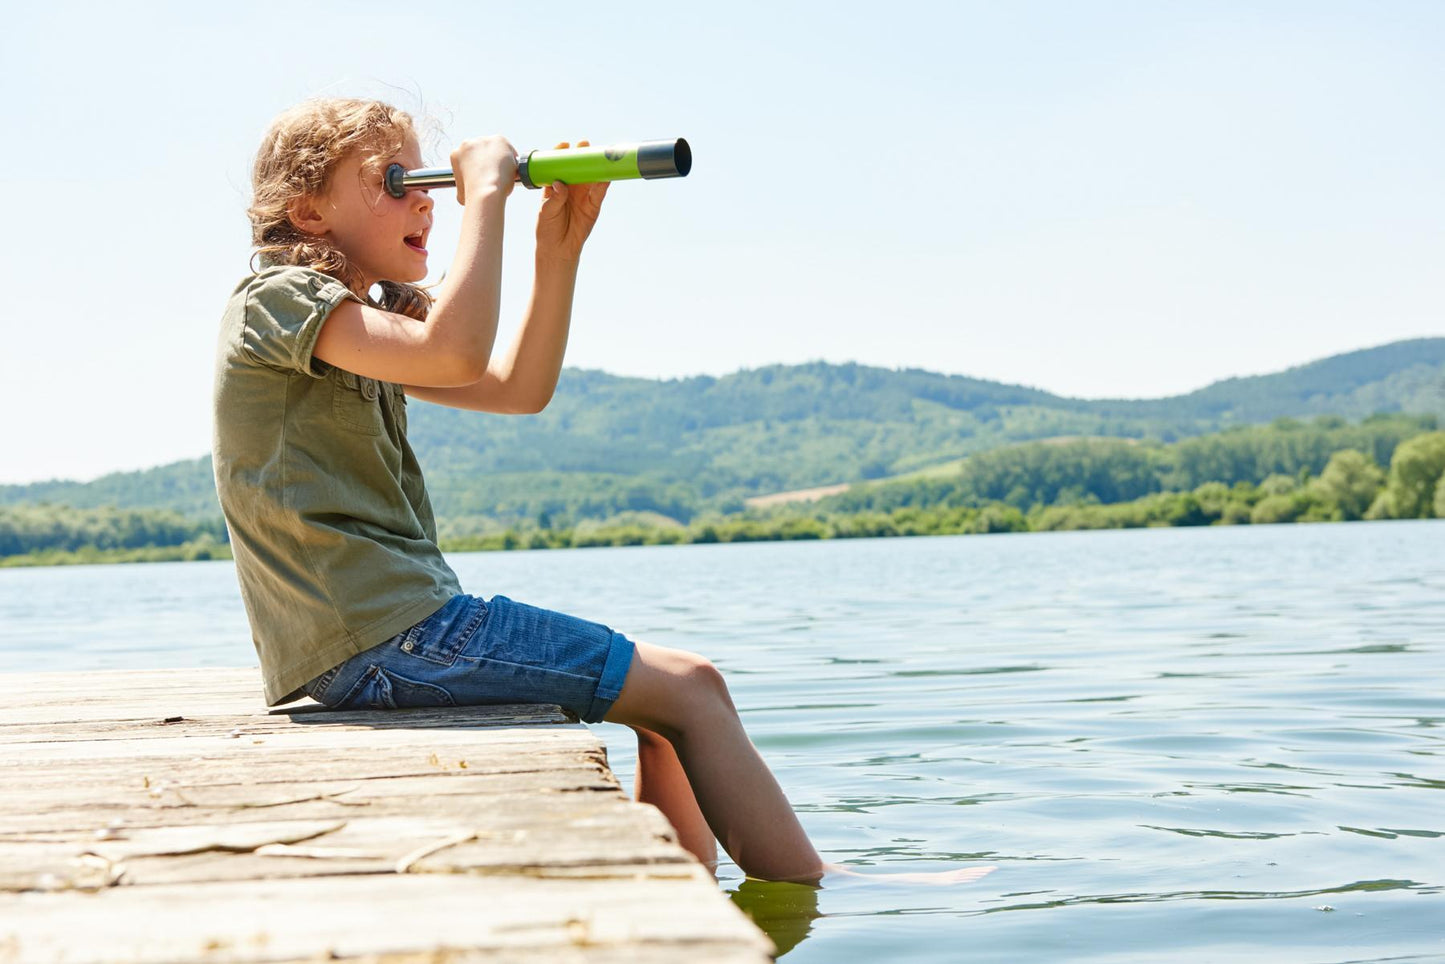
pixel 393 180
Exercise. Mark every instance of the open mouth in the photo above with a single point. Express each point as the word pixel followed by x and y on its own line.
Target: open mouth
pixel 417 242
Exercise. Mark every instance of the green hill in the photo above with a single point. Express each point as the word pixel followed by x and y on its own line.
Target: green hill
pixel 609 444
pixel 1403 376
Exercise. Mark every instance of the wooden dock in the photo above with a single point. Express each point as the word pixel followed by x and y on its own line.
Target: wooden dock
pixel 168 816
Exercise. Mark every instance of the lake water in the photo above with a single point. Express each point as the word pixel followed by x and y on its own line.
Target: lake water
pixel 1175 744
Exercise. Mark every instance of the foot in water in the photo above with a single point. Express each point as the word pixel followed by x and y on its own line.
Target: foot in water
pixel 945 878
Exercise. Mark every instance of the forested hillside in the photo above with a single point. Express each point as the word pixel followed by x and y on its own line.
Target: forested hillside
pixel 1287 471
pixel 1032 475
pixel 1404 376
pixel 681 447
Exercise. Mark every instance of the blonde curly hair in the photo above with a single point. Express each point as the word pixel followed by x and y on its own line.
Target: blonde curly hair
pixel 296 159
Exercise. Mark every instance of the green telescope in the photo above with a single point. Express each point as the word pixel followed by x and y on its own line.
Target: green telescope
pixel 573 165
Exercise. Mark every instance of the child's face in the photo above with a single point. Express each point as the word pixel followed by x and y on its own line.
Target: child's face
pixel 383 236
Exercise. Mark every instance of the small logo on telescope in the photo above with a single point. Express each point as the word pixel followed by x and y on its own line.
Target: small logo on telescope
pixel 613 154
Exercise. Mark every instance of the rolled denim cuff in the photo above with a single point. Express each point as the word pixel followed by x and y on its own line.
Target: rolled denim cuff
pixel 614 673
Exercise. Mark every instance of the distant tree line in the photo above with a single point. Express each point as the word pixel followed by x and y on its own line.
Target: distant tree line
pixel 48 533
pixel 1289 471
pixel 1290 475
pixel 1110 471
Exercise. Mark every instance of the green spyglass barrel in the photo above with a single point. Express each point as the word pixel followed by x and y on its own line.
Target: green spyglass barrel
pixel 573 165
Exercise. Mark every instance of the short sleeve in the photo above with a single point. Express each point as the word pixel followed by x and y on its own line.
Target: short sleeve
pixel 285 308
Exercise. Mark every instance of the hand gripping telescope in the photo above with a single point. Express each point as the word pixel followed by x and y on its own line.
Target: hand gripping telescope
pixel 573 165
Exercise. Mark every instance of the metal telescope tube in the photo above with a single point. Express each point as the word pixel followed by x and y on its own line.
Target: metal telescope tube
pixel 573 165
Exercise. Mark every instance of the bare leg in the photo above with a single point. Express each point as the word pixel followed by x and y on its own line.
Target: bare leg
pixel 662 782
pixel 682 697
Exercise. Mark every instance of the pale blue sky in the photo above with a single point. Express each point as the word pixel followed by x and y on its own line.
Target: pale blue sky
pixel 1096 198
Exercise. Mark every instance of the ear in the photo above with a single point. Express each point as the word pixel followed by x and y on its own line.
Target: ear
pixel 306 218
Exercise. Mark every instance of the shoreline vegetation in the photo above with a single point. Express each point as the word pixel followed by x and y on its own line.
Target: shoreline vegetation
pixel 1326 470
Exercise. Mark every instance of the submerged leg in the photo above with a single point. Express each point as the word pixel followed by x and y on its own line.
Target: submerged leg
pixel 682 698
pixel 662 782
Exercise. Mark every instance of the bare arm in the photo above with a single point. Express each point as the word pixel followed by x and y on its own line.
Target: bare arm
pixel 454 344
pixel 523 383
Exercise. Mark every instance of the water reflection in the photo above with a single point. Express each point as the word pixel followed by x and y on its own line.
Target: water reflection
pixel 783 911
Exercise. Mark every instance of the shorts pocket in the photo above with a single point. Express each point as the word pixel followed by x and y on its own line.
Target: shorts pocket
pixel 443 635
pixel 381 689
pixel 355 402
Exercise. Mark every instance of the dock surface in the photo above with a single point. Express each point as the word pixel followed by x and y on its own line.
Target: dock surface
pixel 169 816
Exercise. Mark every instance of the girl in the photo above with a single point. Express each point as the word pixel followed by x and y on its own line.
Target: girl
pixel 349 598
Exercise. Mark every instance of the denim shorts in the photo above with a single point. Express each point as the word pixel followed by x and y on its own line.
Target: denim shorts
pixel 474 651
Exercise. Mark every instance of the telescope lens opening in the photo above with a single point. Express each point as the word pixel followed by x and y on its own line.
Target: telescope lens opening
pixel 682 157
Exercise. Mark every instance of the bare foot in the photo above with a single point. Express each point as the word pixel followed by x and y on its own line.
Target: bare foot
pixel 944 878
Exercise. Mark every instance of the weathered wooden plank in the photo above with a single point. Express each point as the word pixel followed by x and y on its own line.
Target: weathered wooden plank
pixel 234 834
pixel 50 699
pixel 240 760
pixel 197 680
pixel 307 718
pixel 67 808
pixel 584 953
pixel 236 751
pixel 130 694
pixel 517 833
pixel 251 724
pixel 307 919
pixel 173 782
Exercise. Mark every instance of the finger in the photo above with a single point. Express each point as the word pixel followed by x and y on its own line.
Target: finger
pixel 461 194
pixel 562 146
pixel 584 143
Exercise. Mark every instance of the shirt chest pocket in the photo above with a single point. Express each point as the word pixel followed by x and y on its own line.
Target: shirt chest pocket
pixel 355 402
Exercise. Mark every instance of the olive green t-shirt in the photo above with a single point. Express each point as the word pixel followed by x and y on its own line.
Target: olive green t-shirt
pixel 330 523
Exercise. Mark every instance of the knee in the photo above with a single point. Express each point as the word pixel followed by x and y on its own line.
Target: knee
pixel 702 700
pixel 669 691
pixel 704 680
pixel 700 694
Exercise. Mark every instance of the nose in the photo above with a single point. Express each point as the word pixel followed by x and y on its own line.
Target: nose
pixel 421 200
